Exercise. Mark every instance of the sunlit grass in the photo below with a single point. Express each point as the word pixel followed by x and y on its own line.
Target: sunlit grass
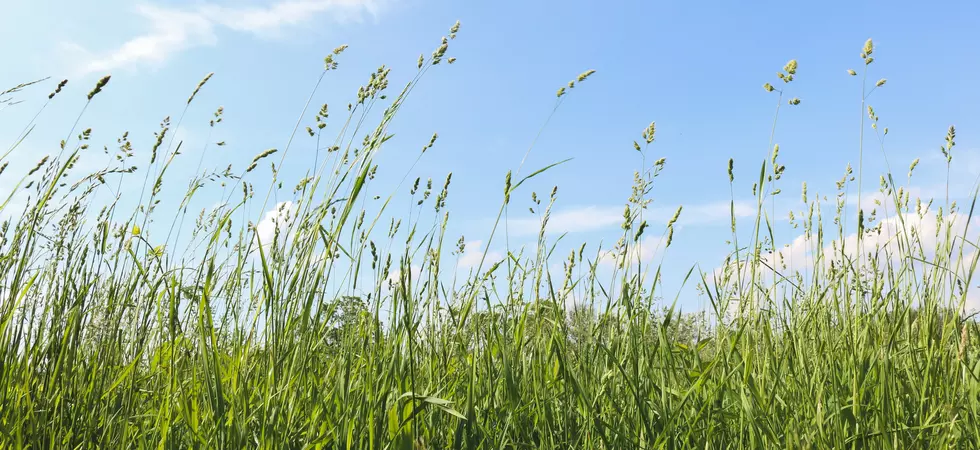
pixel 331 327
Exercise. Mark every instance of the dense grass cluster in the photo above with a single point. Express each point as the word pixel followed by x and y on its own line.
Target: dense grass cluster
pixel 346 331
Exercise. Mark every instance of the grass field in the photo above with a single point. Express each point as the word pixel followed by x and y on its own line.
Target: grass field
pixel 113 337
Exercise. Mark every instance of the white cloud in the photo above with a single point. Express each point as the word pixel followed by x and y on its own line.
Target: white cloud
pixel 473 254
pixel 172 30
pixel 922 231
pixel 275 220
pixel 395 277
pixel 887 247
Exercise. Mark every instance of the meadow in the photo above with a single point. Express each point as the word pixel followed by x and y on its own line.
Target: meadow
pixel 131 327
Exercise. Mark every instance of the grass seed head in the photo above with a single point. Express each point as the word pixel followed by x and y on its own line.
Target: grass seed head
pixel 650 132
pixel 57 90
pixel 790 67
pixel 869 47
pixel 258 157
pixel 98 86
pixel 585 75
pixel 199 86
pixel 440 52
pixel 677 215
pixel 38 166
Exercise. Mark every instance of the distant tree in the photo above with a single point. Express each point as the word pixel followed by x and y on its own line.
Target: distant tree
pixel 350 316
pixel 582 320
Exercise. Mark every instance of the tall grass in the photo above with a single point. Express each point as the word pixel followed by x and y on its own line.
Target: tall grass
pixel 336 329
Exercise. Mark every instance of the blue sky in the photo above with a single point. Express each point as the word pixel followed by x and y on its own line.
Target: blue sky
pixel 696 68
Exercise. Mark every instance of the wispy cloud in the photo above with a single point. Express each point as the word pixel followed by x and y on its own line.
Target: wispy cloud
pixel 573 220
pixel 272 18
pixel 708 213
pixel 594 218
pixel 643 252
pixel 172 30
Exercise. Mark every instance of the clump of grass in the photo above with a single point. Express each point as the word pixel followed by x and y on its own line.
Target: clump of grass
pixel 324 328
